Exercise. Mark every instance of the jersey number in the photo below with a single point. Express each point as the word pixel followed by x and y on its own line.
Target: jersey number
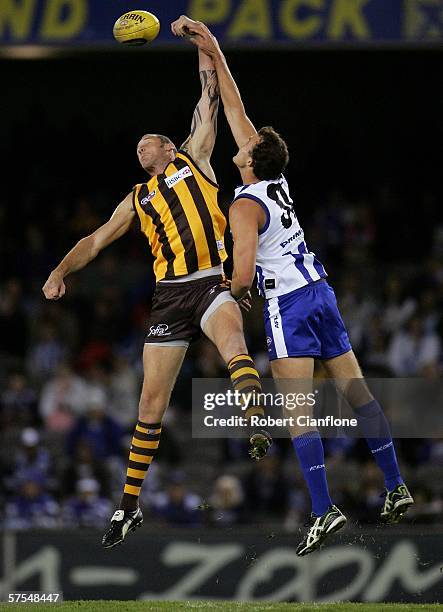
pixel 276 193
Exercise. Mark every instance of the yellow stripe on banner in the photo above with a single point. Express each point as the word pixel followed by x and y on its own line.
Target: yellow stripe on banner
pixel 242 372
pixel 239 358
pixel 145 443
pixel 136 473
pixel 251 382
pixel 144 430
pixel 132 490
pixel 140 458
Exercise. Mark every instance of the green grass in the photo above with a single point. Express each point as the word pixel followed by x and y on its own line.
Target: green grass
pixel 224 606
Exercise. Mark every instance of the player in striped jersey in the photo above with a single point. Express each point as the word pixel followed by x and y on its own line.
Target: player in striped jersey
pixel 302 320
pixel 179 214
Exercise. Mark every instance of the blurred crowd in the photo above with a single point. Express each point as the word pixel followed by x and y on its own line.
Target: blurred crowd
pixel 70 375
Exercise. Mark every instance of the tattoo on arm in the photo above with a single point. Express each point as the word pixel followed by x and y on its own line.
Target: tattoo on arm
pixel 207 108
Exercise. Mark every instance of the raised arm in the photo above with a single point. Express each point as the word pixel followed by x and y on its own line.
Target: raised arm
pixel 201 140
pixel 246 217
pixel 89 247
pixel 240 124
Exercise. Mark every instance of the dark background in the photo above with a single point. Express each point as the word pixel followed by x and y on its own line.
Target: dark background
pixel 358 122
pixel 364 134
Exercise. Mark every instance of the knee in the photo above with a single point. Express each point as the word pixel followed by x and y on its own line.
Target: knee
pixel 152 406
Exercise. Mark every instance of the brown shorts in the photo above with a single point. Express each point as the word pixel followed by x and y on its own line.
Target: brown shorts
pixel 180 310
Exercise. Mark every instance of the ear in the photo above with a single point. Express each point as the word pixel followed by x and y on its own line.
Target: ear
pixel 170 150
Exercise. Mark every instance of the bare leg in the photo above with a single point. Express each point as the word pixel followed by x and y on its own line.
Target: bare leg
pixel 225 329
pixel 161 365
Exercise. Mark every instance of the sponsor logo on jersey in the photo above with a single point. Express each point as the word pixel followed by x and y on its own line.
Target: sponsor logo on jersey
pixel 220 245
pixel 268 340
pixel 161 329
pixel 298 234
pixel 148 197
pixel 178 176
pixel 276 322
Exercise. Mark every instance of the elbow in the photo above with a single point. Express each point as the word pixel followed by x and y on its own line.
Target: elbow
pixel 90 246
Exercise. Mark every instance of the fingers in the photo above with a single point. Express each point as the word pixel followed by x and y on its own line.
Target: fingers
pixel 184 26
pixel 53 292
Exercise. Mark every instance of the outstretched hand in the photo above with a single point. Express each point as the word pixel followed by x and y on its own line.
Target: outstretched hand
pixel 197 33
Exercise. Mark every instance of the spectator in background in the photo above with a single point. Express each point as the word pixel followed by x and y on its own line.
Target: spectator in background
pixel 31 456
pixel 18 403
pixel 430 310
pixel 176 505
pixel 374 345
pixel 227 501
pixel 13 321
pixel 357 306
pixel 32 507
pixel 46 354
pixel 84 465
pixel 397 306
pixel 412 350
pixel 97 428
pixel 266 490
pixel 367 503
pixel 63 398
pixel 87 508
pixel 124 390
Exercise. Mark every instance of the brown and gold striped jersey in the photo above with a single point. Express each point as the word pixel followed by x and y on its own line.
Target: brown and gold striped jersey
pixel 180 216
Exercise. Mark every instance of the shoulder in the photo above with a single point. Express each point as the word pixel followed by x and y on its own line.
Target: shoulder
pixel 198 167
pixel 255 192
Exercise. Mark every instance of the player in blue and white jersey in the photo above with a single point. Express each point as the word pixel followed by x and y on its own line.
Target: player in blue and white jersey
pixel 302 319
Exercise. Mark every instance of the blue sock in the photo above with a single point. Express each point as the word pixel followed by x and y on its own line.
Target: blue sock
pixel 375 428
pixel 309 449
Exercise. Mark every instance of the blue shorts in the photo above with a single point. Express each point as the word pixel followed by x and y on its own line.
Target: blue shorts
pixel 305 323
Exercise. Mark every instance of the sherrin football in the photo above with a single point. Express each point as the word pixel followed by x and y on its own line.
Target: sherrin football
pixel 136 28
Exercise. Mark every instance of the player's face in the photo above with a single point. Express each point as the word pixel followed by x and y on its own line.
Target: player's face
pixel 244 155
pixel 151 152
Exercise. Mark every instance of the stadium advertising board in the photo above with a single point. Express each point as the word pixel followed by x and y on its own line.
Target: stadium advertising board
pixel 368 566
pixel 236 22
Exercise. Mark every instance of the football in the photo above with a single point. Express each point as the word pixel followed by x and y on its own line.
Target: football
pixel 136 28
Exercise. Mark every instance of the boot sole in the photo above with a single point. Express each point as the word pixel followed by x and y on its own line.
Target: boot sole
pixel 133 527
pixel 397 512
pixel 335 526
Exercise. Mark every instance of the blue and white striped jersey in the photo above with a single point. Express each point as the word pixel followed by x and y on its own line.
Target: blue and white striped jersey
pixel 284 262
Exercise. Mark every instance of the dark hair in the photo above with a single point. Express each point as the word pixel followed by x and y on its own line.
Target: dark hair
pixel 269 156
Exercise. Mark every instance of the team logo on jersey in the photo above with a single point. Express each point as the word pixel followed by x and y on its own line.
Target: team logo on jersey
pixel 161 329
pixel 148 198
pixel 178 176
